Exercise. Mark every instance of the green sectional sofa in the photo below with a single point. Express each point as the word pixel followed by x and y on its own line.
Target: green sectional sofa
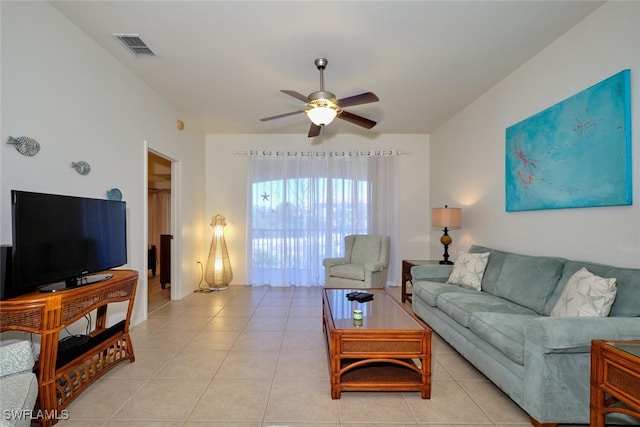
pixel 505 330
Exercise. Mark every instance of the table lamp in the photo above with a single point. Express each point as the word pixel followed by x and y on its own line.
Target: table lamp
pixel 448 218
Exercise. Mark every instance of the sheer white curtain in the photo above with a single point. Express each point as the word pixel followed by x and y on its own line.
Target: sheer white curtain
pixel 302 204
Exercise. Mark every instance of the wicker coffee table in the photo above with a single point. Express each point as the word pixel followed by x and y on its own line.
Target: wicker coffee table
pixel 389 350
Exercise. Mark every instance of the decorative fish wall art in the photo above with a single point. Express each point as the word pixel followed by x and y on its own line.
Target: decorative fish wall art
pixel 25 145
pixel 82 167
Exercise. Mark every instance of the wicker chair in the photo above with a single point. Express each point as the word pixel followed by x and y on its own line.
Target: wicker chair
pixel 364 265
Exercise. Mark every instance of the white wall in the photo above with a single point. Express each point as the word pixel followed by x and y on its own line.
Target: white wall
pixel 65 91
pixel 468 152
pixel 226 184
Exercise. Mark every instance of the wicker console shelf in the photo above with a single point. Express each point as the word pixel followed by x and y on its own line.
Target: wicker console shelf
pixel 62 375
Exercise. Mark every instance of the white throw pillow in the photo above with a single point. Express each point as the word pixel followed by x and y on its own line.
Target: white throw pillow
pixel 468 270
pixel 586 294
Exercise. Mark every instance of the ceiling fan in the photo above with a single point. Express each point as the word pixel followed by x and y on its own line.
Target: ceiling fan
pixel 322 106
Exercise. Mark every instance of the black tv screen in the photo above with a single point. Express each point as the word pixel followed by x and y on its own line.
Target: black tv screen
pixel 59 241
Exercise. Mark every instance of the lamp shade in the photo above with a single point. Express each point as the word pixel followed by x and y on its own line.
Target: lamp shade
pixel 446 217
pixel 322 115
pixel 218 272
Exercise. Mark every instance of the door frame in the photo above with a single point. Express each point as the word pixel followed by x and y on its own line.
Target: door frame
pixel 176 244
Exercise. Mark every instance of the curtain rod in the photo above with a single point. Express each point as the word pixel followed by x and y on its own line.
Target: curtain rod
pixel 322 153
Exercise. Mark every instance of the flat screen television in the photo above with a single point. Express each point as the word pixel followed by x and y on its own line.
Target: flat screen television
pixel 60 242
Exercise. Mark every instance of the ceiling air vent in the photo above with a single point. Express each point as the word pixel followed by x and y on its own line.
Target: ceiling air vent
pixel 134 44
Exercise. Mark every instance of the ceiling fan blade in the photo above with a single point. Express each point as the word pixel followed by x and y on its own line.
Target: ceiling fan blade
pixel 363 98
pixel 281 115
pixel 296 95
pixel 356 120
pixel 314 130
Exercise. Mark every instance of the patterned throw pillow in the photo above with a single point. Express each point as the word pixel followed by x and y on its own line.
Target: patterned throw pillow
pixel 468 270
pixel 586 294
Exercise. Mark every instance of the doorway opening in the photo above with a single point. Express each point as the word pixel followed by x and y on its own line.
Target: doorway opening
pixel 159 184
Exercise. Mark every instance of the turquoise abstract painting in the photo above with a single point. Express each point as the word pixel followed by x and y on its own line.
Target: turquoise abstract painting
pixel 574 154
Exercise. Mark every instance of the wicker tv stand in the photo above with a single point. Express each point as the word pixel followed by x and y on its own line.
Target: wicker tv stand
pixel 62 375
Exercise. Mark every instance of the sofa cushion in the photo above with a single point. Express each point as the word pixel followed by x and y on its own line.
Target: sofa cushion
pixel 348 271
pixel 16 358
pixel 18 384
pixel 468 270
pixel 493 268
pixel 586 295
pixel 430 291
pixel 22 396
pixel 503 331
pixel 529 280
pixel 627 302
pixel 459 306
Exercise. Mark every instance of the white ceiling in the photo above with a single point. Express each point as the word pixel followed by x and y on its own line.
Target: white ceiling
pixel 222 64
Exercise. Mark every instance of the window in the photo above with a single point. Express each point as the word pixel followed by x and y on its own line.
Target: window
pixel 300 209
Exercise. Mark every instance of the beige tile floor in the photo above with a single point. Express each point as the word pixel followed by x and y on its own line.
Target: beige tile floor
pixel 156 296
pixel 255 356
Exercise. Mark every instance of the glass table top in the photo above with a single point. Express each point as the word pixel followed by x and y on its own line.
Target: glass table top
pixel 631 347
pixel 380 313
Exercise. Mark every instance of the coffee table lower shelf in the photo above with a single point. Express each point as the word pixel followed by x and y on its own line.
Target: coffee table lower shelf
pixel 376 375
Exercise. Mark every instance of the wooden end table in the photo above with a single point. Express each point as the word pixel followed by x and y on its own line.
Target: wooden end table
pixel 406 274
pixel 388 350
pixel 615 377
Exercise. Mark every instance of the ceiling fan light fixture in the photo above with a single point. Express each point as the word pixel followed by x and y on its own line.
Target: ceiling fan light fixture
pixel 321 115
pixel 322 108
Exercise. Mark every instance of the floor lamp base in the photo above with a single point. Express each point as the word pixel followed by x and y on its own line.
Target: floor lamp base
pixel 218 288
